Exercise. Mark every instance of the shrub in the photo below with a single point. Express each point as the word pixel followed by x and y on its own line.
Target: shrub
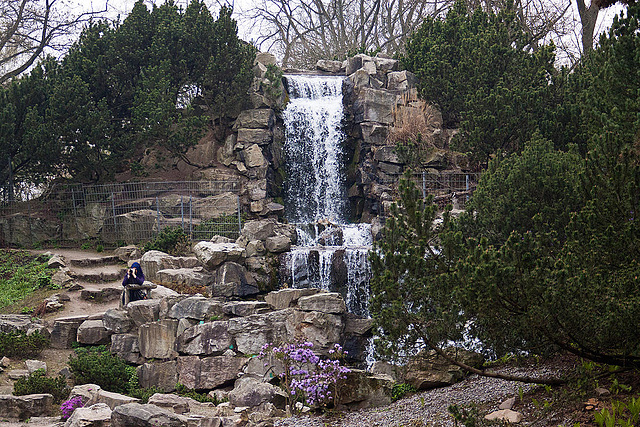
pixel 171 240
pixel 401 390
pixel 20 345
pixel 97 366
pixel 39 383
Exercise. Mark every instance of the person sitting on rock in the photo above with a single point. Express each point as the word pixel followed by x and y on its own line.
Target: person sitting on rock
pixel 134 276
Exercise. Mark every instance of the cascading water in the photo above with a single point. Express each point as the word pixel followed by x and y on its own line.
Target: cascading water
pixel 331 254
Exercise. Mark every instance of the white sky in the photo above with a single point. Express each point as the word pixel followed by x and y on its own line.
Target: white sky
pixel 247 29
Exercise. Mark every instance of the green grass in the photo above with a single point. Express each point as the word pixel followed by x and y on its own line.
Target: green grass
pixel 21 274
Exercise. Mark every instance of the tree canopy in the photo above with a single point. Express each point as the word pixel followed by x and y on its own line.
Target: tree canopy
pixel 546 256
pixel 155 79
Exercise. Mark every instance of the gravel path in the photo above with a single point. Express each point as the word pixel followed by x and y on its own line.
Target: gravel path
pixel 428 407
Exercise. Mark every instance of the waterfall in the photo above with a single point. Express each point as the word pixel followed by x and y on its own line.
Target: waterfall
pixel 331 254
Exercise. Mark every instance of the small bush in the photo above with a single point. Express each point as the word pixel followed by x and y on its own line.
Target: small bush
pixel 171 240
pixel 401 390
pixel 182 390
pixel 38 383
pixel 95 365
pixel 23 346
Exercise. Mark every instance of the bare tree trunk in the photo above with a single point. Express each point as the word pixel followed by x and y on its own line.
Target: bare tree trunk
pixel 588 19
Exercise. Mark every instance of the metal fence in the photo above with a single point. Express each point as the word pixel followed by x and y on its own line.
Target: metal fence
pixel 446 187
pixel 124 212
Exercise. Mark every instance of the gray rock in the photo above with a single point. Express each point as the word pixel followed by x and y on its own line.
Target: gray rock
pixel 245 308
pixel 65 331
pixel 172 402
pixel 214 254
pixel 232 280
pixel 378 106
pixel 98 415
pixel 34 365
pixel 126 346
pixel 357 325
pixel 153 261
pixel 183 277
pixel 211 207
pixel 207 339
pixel 329 66
pixel 21 323
pixel 160 292
pixel 255 247
pixel 259 229
pixel 226 154
pixel 265 58
pixel 286 298
pixel 196 308
pixel 278 244
pixel 117 321
pixel 157 340
pixel 401 80
pixel 113 400
pixel 252 332
pixel 17 374
pixel 387 154
pixel 263 118
pixel 374 133
pixel 429 370
pixel 385 64
pixel 126 253
pixel 362 390
pixel 209 372
pixel 220 239
pixel 252 393
pixel 360 79
pixel 249 137
pixel 321 329
pixel 23 407
pixel 253 156
pixel 56 261
pixel 272 208
pixel 136 414
pixel 326 302
pixel 93 332
pixel 163 375
pixel 143 311
pixel 506 415
pixel 508 404
pixel 62 279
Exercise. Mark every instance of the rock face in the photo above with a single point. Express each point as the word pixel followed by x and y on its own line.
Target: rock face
pixel 23 407
pixel 135 414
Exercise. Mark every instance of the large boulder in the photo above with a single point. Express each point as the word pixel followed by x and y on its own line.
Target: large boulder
pixel 117 321
pixel 329 66
pixel 325 302
pixel 162 375
pixel 21 323
pixel 363 390
pixel 23 407
pixel 216 206
pixel 65 331
pixel 172 402
pixel 253 157
pixel 286 298
pixel 207 339
pixel 253 393
pixel 143 311
pixel 98 415
pixel 253 332
pixel 278 244
pixel 245 308
pixel 214 254
pixel 157 340
pixel 321 329
pixel 249 137
pixel 259 229
pixel 232 280
pixel 153 261
pixel 263 118
pixel 138 415
pixel 429 370
pixel 196 308
pixel 197 277
pixel 93 332
pixel 377 106
pixel 126 346
pixel 209 372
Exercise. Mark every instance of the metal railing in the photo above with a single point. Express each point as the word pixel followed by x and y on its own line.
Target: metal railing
pixel 124 212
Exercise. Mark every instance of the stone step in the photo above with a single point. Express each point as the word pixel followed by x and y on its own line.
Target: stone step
pixel 92 262
pixel 101 275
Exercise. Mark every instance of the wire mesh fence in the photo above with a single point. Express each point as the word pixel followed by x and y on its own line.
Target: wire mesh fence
pixel 446 187
pixel 124 212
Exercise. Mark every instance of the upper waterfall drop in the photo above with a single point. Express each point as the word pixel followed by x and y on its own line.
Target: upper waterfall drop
pixel 315 188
